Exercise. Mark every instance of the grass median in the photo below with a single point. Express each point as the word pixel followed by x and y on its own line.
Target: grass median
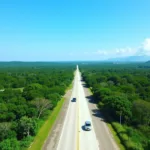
pixel 46 128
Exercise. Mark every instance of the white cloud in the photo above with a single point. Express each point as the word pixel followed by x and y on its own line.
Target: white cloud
pixel 124 51
pixel 102 52
pixel 146 44
pixel 143 49
pixel 118 52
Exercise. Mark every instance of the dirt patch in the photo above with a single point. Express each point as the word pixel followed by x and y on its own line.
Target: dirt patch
pixel 53 138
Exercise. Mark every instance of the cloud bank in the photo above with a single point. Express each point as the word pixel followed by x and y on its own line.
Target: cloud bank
pixel 143 49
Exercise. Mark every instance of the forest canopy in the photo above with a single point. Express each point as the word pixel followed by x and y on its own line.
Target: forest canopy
pixel 29 91
pixel 122 92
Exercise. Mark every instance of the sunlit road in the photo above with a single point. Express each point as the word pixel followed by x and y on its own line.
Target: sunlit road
pixel 68 137
pixel 73 135
pixel 87 139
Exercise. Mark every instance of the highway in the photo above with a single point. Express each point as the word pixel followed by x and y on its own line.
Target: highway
pixel 72 134
pixel 87 139
pixel 68 136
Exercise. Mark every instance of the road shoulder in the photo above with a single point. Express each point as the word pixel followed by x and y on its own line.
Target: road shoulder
pixel 103 133
pixel 53 138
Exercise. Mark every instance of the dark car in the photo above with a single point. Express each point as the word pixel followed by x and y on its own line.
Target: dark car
pixel 74 100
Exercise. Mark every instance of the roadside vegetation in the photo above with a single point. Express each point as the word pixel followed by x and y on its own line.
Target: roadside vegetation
pixel 122 93
pixel 29 94
pixel 46 127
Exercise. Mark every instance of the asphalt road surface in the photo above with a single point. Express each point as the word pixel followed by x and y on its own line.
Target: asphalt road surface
pixel 68 136
pixel 87 139
pixel 73 135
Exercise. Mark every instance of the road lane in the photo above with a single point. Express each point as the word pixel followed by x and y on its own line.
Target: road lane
pixel 73 135
pixel 68 136
pixel 103 134
pixel 87 139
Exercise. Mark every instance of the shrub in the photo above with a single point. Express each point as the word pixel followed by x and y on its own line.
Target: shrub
pixel 122 132
pixel 10 144
pixel 26 141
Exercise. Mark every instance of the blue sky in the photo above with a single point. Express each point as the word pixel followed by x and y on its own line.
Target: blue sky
pixel 33 30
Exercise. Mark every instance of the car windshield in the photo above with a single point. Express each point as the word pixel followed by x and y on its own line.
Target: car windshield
pixel 88 124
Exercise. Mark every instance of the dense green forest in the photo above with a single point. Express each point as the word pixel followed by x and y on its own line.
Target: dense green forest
pixel 29 91
pixel 122 93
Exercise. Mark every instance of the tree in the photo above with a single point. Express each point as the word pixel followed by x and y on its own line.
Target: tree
pixel 9 144
pixel 141 111
pixel 57 89
pixel 54 97
pixel 41 105
pixel 129 132
pixel 26 126
pixel 21 111
pixel 120 106
pixel 128 88
pixel 100 93
pixel 115 79
pixel 32 91
pixel 3 111
pixel 4 129
pixel 16 107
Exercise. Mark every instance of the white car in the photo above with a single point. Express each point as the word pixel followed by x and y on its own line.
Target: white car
pixel 87 125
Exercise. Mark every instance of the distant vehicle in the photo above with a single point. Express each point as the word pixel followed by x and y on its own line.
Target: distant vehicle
pixel 74 100
pixel 87 125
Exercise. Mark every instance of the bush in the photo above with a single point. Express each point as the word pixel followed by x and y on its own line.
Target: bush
pixel 118 128
pixel 100 105
pixel 10 144
pixel 122 132
pixel 26 141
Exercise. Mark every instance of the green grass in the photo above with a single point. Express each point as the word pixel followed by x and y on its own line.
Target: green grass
pixel 116 138
pixel 69 87
pixel 46 128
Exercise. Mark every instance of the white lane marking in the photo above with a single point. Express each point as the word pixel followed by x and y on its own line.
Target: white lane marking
pixel 88 112
pixel 63 127
pixel 78 127
pixel 109 134
pixel 66 118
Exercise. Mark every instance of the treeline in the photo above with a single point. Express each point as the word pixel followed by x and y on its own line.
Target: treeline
pixel 122 92
pixel 28 94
